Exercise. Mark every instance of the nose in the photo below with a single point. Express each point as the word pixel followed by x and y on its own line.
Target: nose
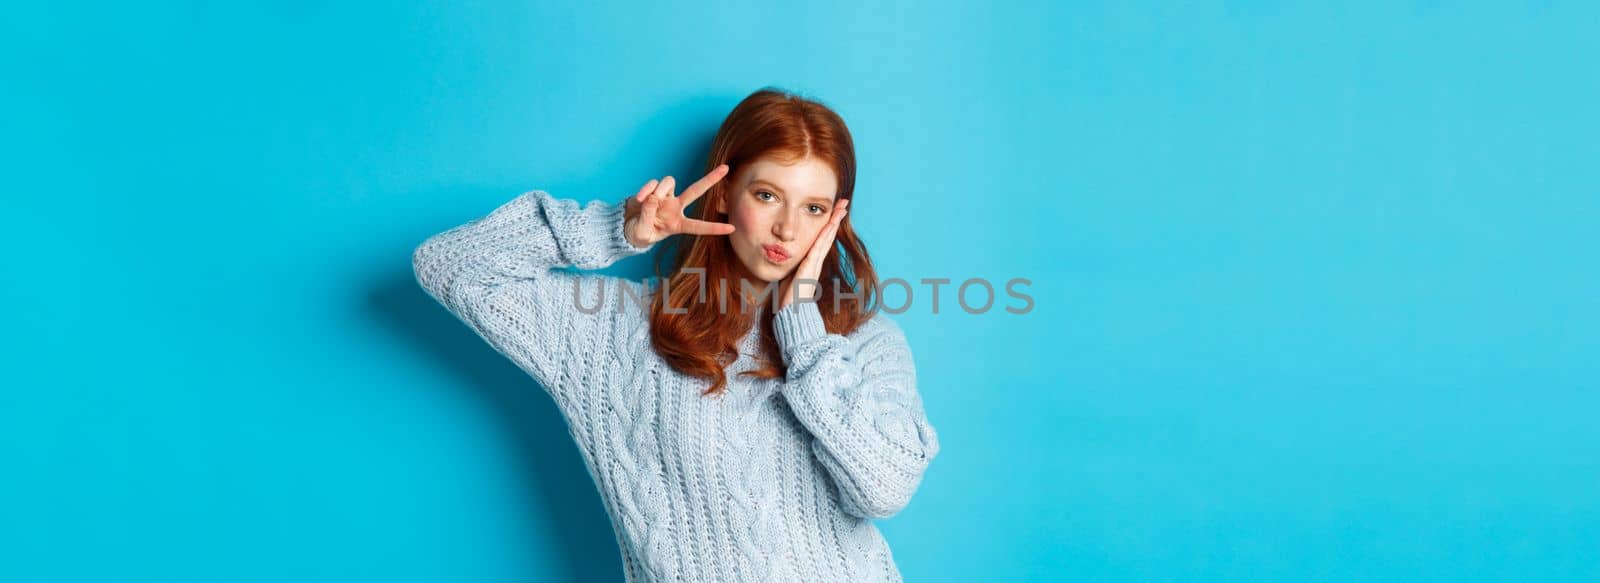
pixel 783 227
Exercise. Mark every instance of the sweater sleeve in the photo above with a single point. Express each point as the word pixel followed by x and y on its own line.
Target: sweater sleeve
pixel 499 275
pixel 857 395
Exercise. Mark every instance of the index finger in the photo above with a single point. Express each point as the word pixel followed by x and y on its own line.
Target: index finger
pixel 823 246
pixel 699 227
pixel 703 184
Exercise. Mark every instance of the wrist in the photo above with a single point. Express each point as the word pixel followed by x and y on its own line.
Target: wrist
pixel 628 235
pixel 796 326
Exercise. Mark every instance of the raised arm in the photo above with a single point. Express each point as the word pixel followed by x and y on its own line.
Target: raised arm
pixel 858 396
pixel 499 274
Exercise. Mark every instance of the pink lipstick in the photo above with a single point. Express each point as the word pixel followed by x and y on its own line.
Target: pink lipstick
pixel 775 253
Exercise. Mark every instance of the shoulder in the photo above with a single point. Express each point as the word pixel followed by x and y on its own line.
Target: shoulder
pixel 879 324
pixel 881 337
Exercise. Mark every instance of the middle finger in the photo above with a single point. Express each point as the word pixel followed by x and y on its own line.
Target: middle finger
pixel 665 188
pixel 704 183
pixel 839 212
pixel 824 242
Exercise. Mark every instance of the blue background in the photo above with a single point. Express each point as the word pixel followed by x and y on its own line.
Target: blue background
pixel 1317 289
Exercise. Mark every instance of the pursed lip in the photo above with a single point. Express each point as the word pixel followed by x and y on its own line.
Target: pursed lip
pixel 775 252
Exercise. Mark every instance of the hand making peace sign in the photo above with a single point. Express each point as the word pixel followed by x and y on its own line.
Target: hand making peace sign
pixel 655 213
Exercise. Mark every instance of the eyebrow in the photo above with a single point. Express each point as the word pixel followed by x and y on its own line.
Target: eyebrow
pixel 780 190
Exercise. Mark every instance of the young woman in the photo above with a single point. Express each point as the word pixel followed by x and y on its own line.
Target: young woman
pixel 746 417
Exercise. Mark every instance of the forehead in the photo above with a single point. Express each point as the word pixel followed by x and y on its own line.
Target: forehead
pixel 809 178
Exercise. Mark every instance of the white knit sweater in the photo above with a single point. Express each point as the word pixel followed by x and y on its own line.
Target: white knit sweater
pixel 776 480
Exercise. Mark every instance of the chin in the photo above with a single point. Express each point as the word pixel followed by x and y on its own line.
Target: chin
pixel 768 276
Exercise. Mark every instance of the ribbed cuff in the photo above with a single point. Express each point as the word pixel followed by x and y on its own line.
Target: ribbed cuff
pixel 614 219
pixel 798 324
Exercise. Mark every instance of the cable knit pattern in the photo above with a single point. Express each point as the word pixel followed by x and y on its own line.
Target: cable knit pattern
pixel 698 488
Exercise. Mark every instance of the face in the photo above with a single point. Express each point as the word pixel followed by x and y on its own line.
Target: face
pixel 777 209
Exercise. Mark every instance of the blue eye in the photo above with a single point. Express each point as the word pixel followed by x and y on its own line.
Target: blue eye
pixel 762 192
pixel 819 209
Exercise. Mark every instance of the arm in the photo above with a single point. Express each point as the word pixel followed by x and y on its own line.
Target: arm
pixel 498 274
pixel 857 395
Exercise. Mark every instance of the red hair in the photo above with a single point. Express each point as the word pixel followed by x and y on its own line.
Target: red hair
pixel 703 340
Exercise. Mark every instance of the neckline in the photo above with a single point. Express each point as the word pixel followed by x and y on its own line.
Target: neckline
pixel 751 342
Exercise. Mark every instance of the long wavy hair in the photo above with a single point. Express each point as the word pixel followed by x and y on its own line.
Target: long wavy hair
pixel 700 333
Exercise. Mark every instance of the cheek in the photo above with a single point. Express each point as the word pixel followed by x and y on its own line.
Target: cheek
pixel 746 220
pixel 814 229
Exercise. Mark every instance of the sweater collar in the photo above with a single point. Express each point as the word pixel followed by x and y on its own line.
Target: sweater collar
pixel 750 344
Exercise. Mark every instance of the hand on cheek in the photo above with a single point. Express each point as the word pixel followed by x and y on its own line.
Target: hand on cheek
pixel 810 268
